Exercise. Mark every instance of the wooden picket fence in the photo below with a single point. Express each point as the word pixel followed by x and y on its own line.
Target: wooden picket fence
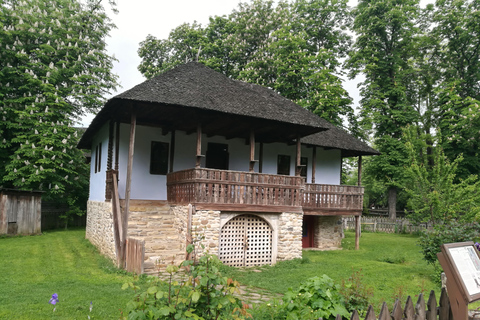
pixel 419 311
pixel 135 255
pixel 387 225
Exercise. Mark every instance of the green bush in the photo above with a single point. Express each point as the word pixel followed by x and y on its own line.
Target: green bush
pixel 453 231
pixel 204 294
pixel 356 293
pixel 317 297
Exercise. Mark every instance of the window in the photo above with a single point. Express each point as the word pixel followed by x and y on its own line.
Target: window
pixel 98 158
pixel 217 156
pixel 283 164
pixel 303 168
pixel 159 158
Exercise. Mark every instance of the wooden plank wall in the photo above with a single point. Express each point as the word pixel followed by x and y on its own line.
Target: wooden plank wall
pixel 419 311
pixel 135 255
pixel 20 213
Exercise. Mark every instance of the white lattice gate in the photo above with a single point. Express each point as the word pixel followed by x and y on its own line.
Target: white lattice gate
pixel 246 240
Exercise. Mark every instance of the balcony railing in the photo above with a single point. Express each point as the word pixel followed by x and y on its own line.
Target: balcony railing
pixel 325 197
pixel 226 187
pixel 249 191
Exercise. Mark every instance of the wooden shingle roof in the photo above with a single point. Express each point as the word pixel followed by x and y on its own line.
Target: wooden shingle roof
pixel 192 93
pixel 336 138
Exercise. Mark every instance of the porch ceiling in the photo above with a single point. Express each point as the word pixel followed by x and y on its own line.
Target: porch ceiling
pixel 174 117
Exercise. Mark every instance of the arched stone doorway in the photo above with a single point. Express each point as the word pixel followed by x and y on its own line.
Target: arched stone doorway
pixel 246 240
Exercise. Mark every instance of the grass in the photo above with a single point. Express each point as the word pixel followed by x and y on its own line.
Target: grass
pixel 391 264
pixel 32 268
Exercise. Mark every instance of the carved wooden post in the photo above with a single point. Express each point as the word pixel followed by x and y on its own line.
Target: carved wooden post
pixel 128 183
pixel 314 163
pixel 252 151
pixel 199 146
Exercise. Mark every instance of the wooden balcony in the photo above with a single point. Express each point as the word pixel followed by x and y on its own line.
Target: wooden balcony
pixel 325 199
pixel 235 190
pixel 257 192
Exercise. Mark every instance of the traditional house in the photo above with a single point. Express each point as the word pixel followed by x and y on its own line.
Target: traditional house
pixel 192 154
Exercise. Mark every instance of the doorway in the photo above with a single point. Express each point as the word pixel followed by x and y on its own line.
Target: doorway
pixel 308 230
pixel 246 240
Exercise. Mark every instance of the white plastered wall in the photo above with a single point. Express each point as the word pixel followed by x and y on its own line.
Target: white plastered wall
pixel 146 186
pixel 97 180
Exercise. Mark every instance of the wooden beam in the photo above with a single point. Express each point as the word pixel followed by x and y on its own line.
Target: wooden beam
pixel 252 151
pixel 260 159
pixel 298 159
pixel 246 207
pixel 357 232
pixel 131 147
pixel 359 171
pixel 314 163
pixel 199 146
pixel 117 145
pixel 172 150
pixel 110 145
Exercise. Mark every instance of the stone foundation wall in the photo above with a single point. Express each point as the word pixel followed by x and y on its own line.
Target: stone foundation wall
pixel 328 233
pixel 206 226
pixel 289 236
pixel 99 228
pixel 163 228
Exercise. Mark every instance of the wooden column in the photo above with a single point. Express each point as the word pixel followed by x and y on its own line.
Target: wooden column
pixel 198 160
pixel 252 151
pixel 314 163
pixel 299 154
pixel 357 232
pixel 260 158
pixel 117 145
pixel 359 171
pixel 131 146
pixel 172 150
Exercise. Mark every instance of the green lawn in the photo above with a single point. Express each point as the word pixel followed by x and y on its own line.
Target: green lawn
pixel 32 268
pixel 390 263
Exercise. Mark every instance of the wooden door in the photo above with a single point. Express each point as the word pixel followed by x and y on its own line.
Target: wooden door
pixel 308 229
pixel 246 240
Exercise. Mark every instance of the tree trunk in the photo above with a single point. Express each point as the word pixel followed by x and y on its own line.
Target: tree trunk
pixel 392 203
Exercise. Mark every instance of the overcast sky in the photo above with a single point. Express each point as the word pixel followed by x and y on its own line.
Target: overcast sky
pixel 138 18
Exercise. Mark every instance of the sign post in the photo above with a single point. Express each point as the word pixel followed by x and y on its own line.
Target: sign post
pixel 461 263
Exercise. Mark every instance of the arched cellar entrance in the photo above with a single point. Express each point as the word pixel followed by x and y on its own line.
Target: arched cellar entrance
pixel 245 241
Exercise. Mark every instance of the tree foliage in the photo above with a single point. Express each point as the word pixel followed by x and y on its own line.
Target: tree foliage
pixel 54 67
pixel 294 48
pixel 434 194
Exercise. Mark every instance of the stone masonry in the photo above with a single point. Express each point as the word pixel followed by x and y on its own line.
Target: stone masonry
pixel 328 232
pixel 206 228
pixel 100 228
pixel 289 236
pixel 163 229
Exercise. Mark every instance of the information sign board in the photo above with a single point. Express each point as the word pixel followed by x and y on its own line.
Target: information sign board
pixel 461 264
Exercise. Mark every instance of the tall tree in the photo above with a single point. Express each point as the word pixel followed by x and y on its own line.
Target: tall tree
pixel 54 67
pixel 386 33
pixel 457 28
pixel 294 49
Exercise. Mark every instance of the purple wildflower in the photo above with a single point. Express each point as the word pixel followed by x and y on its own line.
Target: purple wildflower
pixel 54 299
pixel 477 245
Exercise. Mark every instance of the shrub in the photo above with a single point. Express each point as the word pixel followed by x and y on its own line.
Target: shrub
pixel 356 293
pixel 204 294
pixel 316 298
pixel 453 231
